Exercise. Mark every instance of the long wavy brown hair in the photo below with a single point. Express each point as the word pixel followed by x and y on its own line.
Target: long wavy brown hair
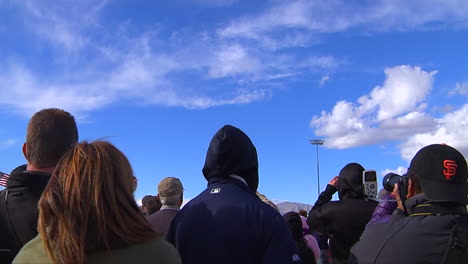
pixel 88 205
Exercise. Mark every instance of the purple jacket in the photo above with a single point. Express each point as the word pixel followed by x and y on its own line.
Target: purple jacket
pixel 384 209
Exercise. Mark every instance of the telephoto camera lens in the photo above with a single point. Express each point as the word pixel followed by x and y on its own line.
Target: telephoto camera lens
pixel 389 181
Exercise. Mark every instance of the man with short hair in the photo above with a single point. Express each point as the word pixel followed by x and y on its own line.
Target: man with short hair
pixel 171 195
pixel 228 223
pixel 50 133
pixel 426 228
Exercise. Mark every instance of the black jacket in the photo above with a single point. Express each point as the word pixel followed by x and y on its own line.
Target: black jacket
pixel 19 212
pixel 346 219
pixel 420 238
pixel 227 223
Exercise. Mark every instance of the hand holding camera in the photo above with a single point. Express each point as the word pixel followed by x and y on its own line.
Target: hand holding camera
pixel 398 185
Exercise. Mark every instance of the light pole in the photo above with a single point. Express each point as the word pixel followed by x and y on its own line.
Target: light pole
pixel 317 142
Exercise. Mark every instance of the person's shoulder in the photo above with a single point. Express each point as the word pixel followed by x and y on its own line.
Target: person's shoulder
pixel 330 204
pixel 152 217
pixel 157 250
pixel 266 208
pixel 160 251
pixel 159 244
pixel 32 252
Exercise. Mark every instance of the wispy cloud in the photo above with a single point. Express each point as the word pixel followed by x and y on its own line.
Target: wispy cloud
pixel 304 17
pixel 460 89
pixel 90 72
pixel 48 20
pixel 96 64
pixel 324 79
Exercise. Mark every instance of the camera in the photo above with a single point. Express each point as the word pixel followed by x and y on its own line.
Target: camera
pixel 369 179
pixel 389 181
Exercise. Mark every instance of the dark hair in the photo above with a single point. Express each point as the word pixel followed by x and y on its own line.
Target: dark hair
pixel 151 203
pixel 303 212
pixel 51 132
pixel 414 177
pixel 88 205
pixel 145 199
pixel 295 226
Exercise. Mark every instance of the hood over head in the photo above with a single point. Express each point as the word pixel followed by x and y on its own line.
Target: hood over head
pixel 231 152
pixel 350 183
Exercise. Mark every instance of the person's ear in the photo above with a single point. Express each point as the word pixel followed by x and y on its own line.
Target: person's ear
pixel 411 189
pixel 25 151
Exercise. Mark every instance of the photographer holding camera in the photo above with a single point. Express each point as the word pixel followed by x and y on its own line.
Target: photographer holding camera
pixel 430 223
pixel 342 220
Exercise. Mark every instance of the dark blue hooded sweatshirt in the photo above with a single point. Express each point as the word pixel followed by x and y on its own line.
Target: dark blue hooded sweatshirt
pixel 227 223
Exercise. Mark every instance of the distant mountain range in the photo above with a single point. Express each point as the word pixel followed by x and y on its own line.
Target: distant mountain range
pixel 285 207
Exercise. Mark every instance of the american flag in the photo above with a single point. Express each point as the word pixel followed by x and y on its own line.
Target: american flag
pixel 3 179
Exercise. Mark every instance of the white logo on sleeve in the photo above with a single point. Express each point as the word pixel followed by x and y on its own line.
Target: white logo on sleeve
pixel 296 257
pixel 215 190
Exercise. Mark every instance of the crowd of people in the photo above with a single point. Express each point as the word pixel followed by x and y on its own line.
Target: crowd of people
pixel 73 203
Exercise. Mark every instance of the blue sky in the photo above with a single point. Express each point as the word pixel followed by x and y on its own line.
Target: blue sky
pixel 377 80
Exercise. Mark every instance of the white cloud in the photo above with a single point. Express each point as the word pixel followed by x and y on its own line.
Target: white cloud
pixel 400 171
pixel 403 89
pixel 395 112
pixel 232 60
pixel 460 89
pixel 389 112
pixel 451 129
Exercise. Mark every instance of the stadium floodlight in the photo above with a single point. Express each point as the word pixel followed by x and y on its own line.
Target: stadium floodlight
pixel 317 142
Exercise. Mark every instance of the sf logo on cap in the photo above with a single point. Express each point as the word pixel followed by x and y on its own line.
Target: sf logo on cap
pixel 450 169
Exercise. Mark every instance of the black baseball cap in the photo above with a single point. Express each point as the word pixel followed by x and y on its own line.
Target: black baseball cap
pixel 442 173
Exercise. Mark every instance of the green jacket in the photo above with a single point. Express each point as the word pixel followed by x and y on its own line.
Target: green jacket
pixel 155 251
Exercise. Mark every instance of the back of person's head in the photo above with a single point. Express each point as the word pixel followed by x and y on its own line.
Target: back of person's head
pixel 152 204
pixel 440 172
pixel 350 183
pixel 303 212
pixel 145 199
pixel 294 223
pixel 51 132
pixel 89 206
pixel 231 152
pixel 170 191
